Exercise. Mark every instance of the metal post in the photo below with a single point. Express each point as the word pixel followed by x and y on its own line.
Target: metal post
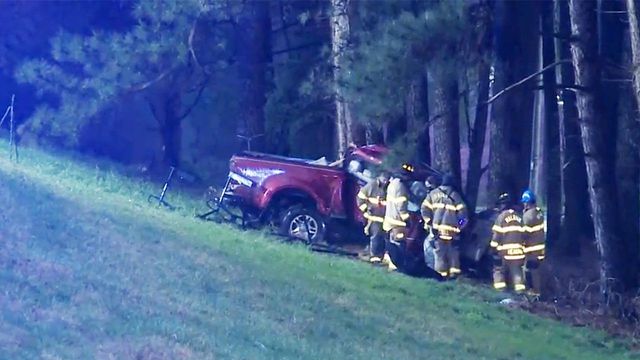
pixel 12 143
pixel 166 186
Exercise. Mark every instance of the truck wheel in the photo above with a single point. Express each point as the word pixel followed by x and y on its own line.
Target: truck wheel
pixel 304 224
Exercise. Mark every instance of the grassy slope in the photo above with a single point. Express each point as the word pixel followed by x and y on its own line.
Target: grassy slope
pixel 88 270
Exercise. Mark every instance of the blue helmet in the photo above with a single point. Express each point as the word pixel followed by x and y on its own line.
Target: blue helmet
pixel 528 197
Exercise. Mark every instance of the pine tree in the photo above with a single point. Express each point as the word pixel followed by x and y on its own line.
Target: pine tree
pixel 389 61
pixel 602 187
pixel 576 218
pixel 254 60
pixel 340 32
pixel 156 58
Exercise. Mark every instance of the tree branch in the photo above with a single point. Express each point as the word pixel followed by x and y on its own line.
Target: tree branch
pixel 612 11
pixel 192 35
pixel 296 48
pixel 562 87
pixel 188 110
pixel 5 115
pixel 617 80
pixel 154 112
pixel 527 78
pixel 147 84
pixel 565 37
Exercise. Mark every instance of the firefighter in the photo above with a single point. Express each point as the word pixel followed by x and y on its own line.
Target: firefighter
pixel 431 184
pixel 507 244
pixel 372 203
pixel 396 216
pixel 445 214
pixel 534 241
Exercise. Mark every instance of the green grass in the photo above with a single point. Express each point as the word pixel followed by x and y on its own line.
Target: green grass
pixel 89 270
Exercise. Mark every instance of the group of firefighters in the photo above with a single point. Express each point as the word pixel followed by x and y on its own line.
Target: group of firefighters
pixel 518 235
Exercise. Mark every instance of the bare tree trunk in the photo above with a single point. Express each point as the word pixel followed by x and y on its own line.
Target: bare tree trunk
pixel 537 173
pixel 628 175
pixel 610 37
pixel 417 116
pixel 339 42
pixel 628 165
pixel 254 59
pixel 551 160
pixel 503 175
pixel 576 223
pixel 446 128
pixel 166 107
pixel 634 35
pixel 373 135
pixel 602 187
pixel 502 161
pixel 359 133
pixel 478 132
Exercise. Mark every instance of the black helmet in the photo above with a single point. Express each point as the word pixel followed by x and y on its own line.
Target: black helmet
pixel 504 199
pixel 432 182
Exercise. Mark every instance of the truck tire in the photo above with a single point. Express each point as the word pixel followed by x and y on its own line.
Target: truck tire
pixel 303 224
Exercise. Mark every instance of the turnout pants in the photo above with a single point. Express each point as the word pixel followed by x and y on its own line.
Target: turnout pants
pixel 377 239
pixel 395 246
pixel 429 257
pixel 447 258
pixel 509 272
pixel 533 273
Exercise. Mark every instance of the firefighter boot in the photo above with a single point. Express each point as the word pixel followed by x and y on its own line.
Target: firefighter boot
pixel 499 281
pixel 387 261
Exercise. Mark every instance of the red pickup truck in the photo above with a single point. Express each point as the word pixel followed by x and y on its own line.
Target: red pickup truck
pixel 303 198
pixel 311 199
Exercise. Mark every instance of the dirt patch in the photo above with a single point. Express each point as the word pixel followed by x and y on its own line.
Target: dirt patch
pixel 572 296
pixel 586 317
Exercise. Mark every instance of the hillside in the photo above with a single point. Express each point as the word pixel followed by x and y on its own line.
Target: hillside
pixel 89 270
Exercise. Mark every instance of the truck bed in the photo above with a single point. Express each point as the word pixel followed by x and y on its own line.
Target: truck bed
pixel 317 163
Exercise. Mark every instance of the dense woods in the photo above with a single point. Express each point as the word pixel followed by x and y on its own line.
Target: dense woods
pixel 503 95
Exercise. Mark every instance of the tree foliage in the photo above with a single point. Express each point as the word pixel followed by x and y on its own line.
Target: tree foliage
pixel 88 73
pixel 389 57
